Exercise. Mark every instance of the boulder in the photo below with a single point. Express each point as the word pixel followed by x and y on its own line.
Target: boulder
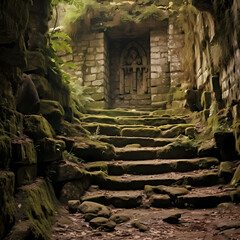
pixel 37 127
pixel 73 205
pixel 95 208
pixel 140 226
pixel 102 223
pixel 173 219
pixel 52 111
pixel 72 130
pixel 119 218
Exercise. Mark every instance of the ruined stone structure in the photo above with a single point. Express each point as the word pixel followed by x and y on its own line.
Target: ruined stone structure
pixel 133 69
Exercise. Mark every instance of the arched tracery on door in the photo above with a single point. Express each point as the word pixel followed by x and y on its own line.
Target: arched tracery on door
pixel 134 70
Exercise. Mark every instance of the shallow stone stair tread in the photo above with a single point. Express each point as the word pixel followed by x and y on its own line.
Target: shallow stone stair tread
pixel 204 197
pixel 121 141
pixel 194 178
pixel 118 112
pixel 124 199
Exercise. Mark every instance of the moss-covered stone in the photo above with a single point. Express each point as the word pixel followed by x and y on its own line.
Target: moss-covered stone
pixel 68 172
pixel 208 148
pixel 117 112
pixel 141 132
pixel 72 130
pixel 7 202
pixel 37 208
pixel 52 111
pixel 177 150
pixel 140 226
pixel 191 132
pixel 103 129
pixel 25 174
pixel 119 218
pixel 103 224
pixel 12 121
pixel 5 151
pixel 226 170
pixel 42 85
pixel 50 149
pixel 171 191
pixel 74 190
pixel 23 151
pixel 95 208
pixel 176 130
pixel 91 150
pixel 236 177
pixel 37 127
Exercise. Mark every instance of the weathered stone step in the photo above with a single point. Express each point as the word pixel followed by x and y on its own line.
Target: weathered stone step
pixel 153 121
pixel 203 197
pixel 175 150
pixel 119 199
pixel 156 166
pixel 137 182
pixel 122 141
pixel 118 112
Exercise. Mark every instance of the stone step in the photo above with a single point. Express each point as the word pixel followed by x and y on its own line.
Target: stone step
pixel 137 182
pixel 156 166
pixel 119 199
pixel 175 150
pixel 203 197
pixel 122 141
pixel 165 197
pixel 118 112
pixel 151 121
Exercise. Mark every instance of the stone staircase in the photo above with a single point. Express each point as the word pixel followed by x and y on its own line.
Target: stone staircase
pixel 156 163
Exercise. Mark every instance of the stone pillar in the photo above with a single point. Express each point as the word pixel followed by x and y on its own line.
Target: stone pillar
pixel 160 82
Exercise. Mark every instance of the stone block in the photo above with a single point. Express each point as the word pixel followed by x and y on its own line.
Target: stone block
pixel 97 43
pixel 155 56
pixel 7 206
pixel 98 83
pixel 160 90
pixel 175 67
pixel 37 127
pixel 5 151
pixel 159 97
pixel 99 35
pixel 99 50
pixel 52 111
pixel 90 57
pixel 90 63
pixel 100 56
pixel 90 77
pixel 50 149
pixel 23 151
pixel 98 96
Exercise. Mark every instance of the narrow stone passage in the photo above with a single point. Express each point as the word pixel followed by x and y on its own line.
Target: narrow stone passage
pixel 157 173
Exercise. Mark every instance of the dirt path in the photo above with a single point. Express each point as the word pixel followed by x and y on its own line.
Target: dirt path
pixel 193 225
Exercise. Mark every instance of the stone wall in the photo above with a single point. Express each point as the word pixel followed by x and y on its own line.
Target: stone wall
pixel 90 55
